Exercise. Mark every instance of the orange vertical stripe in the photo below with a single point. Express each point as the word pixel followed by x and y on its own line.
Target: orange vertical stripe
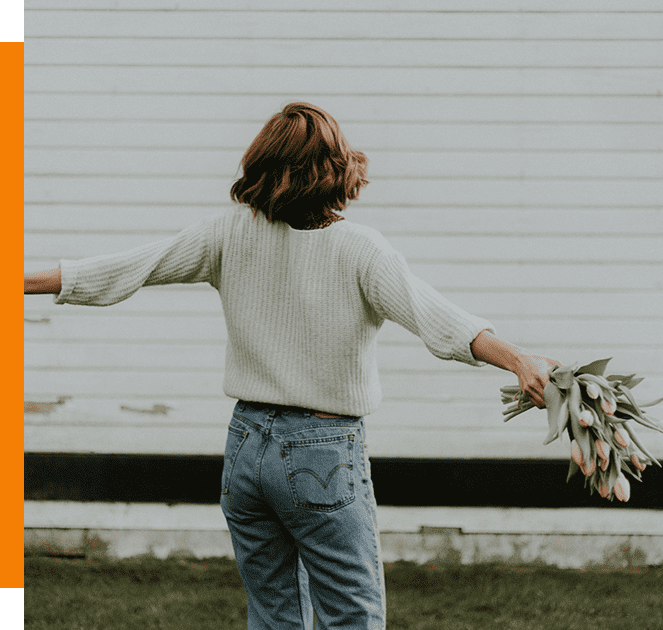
pixel 11 256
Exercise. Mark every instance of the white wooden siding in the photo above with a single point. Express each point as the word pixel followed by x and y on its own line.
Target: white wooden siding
pixel 516 159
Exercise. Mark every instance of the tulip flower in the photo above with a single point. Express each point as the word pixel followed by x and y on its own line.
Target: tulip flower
pixel 588 471
pixel 622 488
pixel 609 406
pixel 576 454
pixel 593 390
pixel 604 489
pixel 635 460
pixel 586 418
pixel 602 450
pixel 622 438
pixel 604 464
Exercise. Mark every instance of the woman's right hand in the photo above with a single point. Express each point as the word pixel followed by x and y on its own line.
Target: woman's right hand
pixel 532 373
pixel 531 369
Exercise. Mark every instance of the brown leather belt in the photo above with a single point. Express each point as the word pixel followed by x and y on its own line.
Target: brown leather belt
pixel 281 408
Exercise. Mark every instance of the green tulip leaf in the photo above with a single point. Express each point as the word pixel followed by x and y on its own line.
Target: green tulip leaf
pixel 597 368
pixel 554 405
pixel 562 376
pixel 629 381
pixel 627 392
pixel 573 469
pixel 653 403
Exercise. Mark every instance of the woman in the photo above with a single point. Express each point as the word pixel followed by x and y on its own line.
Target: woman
pixel 304 294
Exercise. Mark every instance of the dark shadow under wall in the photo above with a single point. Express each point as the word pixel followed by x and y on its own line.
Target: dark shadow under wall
pixel 399 482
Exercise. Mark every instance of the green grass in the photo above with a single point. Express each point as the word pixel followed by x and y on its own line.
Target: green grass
pixel 66 594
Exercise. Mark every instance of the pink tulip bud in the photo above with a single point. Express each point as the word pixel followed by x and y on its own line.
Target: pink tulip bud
pixel 602 450
pixel 622 438
pixel 576 454
pixel 588 471
pixel 635 460
pixel 622 488
pixel 609 406
pixel 593 390
pixel 586 418
pixel 604 489
pixel 604 464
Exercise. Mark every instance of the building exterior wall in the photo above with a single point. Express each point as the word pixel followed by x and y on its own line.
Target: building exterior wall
pixel 515 159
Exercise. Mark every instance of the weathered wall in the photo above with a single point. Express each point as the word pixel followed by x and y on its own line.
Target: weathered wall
pixel 515 159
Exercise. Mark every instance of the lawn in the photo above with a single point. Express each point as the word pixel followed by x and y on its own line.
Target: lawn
pixel 78 594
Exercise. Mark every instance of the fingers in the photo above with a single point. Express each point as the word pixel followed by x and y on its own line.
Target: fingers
pixel 533 378
pixel 533 386
pixel 536 396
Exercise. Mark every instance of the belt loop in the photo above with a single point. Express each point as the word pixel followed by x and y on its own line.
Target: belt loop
pixel 272 413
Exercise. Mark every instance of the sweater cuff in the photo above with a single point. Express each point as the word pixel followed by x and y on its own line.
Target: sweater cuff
pixel 464 353
pixel 69 275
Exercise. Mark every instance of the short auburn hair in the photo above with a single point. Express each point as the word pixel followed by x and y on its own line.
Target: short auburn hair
pixel 300 168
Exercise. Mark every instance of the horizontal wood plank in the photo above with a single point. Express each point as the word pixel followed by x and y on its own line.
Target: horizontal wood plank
pixel 394 108
pixel 482 385
pixel 196 300
pixel 392 358
pixel 506 249
pixel 523 137
pixel 424 443
pixel 173 412
pixel 168 219
pixel 472 191
pixel 429 443
pixel 399 164
pixel 100 51
pixel 403 24
pixel 96 323
pixel 281 82
pixel 525 276
pixel 491 6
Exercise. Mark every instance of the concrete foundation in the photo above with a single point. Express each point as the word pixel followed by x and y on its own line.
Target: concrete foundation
pixel 605 538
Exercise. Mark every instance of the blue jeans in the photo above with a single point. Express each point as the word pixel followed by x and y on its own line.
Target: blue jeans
pixel 297 495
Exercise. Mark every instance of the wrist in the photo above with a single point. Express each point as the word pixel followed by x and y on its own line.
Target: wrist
pixel 486 347
pixel 520 362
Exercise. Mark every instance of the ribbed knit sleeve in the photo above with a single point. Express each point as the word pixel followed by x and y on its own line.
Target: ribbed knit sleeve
pixel 191 256
pixel 400 296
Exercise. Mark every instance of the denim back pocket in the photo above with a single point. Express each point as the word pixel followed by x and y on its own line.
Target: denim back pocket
pixel 234 442
pixel 320 471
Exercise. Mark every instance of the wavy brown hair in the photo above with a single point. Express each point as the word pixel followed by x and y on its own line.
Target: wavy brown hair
pixel 300 168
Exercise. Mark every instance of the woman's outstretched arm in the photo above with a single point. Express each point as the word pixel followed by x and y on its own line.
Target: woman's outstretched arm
pixel 43 282
pixel 531 370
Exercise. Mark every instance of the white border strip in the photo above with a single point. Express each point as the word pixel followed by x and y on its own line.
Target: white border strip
pixel 11 21
pixel 11 604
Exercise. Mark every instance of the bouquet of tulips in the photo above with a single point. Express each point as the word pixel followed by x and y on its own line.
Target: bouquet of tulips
pixel 598 413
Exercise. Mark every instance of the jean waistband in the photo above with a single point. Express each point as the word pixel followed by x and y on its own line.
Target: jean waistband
pixel 278 409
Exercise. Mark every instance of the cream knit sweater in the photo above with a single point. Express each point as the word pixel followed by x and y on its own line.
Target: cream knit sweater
pixel 302 308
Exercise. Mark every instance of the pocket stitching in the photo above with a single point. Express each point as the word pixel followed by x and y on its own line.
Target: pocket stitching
pixel 225 477
pixel 307 505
